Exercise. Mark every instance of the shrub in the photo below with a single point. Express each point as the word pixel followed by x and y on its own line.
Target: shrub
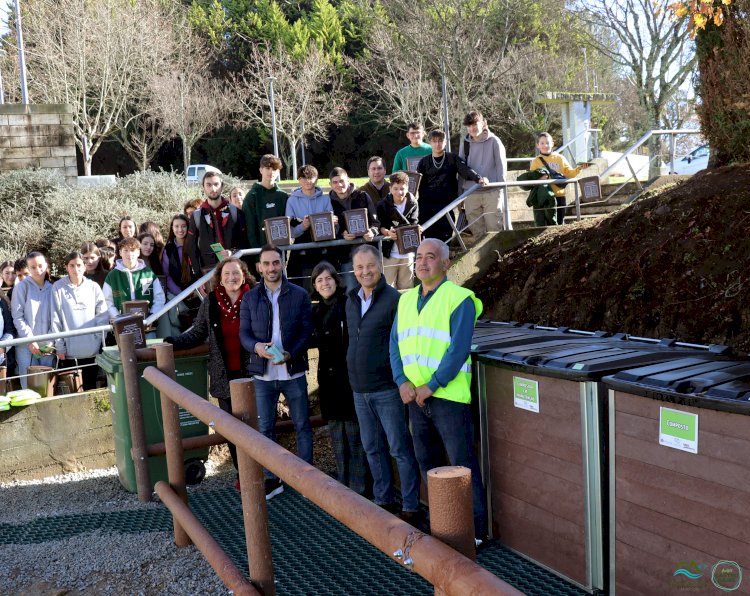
pixel 41 212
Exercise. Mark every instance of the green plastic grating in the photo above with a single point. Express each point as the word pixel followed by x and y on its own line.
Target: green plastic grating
pixel 313 553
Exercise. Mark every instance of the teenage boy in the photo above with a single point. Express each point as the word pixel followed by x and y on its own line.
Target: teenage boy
pixel 399 208
pixel 376 186
pixel 484 153
pixel 554 162
pixel 131 279
pixel 343 198
pixel 439 185
pixel 214 222
pixel 416 148
pixel 264 200
pixel 303 202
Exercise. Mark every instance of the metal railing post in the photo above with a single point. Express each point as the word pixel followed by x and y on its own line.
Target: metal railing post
pixel 576 189
pixel 254 509
pixel 671 152
pixel 170 413
pixel 135 416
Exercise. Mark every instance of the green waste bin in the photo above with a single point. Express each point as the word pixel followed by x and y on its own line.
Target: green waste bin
pixel 679 495
pixel 192 373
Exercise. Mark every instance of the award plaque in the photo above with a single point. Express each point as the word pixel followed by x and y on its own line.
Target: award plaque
pixel 278 231
pixel 412 163
pixel 408 239
pixel 135 307
pixel 356 221
pixel 591 188
pixel 414 180
pixel 321 226
pixel 129 324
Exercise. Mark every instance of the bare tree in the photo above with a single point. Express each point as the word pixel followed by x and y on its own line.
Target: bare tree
pixel 308 96
pixel 142 138
pixel 186 99
pixel 94 56
pixel 653 49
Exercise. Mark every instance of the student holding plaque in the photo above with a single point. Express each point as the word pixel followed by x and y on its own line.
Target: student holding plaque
pixel 345 197
pixel 305 201
pixel 264 201
pixel 77 303
pixel 399 208
pixel 132 279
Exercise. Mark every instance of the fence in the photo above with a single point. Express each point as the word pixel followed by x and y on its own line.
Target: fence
pixel 448 570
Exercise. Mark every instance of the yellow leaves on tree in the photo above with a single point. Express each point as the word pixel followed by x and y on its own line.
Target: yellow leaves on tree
pixel 700 13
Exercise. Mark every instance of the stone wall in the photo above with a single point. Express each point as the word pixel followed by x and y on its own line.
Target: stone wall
pixel 38 136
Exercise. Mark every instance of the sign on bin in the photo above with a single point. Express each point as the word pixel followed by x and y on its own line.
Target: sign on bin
pixel 526 394
pixel 678 430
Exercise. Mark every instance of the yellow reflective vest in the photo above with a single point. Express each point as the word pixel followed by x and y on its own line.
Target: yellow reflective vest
pixel 424 337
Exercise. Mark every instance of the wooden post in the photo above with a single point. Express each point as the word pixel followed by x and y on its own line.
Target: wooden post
pixel 135 416
pixel 254 509
pixel 170 413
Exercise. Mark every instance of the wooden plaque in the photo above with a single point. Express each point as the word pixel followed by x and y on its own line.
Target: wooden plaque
pixel 321 226
pixel 412 163
pixel 591 188
pixel 408 239
pixel 135 307
pixel 278 230
pixel 414 180
pixel 132 323
pixel 356 221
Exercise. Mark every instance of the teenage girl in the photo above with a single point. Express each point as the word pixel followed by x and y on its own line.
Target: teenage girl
pixel 151 251
pixel 96 267
pixel 31 308
pixel 175 263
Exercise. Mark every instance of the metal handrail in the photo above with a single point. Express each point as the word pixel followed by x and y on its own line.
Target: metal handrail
pixel 563 147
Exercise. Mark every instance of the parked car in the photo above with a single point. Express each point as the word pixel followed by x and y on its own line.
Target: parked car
pixel 693 162
pixel 195 172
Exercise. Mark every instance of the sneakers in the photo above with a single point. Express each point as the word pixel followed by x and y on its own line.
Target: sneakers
pixel 273 488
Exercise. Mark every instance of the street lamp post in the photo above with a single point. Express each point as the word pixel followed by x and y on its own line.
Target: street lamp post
pixel 273 117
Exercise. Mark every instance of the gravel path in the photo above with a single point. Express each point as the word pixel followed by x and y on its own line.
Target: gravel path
pixel 109 562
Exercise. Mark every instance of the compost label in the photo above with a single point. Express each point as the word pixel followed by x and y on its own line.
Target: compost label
pixel 526 394
pixel 678 430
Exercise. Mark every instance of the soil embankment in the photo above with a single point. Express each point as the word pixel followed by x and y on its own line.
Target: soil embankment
pixel 674 264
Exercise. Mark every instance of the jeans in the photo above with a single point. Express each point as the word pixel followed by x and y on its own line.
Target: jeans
pixel 452 420
pixel 25 359
pixel 382 424
pixel 351 461
pixel 295 391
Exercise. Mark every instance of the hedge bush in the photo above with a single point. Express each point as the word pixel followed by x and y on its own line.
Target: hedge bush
pixel 40 211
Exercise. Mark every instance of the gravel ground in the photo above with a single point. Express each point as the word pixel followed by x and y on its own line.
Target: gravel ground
pixel 108 562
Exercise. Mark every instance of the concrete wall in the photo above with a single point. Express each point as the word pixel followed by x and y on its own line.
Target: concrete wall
pixel 68 434
pixel 38 136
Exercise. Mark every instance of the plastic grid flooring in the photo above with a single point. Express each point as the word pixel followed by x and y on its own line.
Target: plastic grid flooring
pixel 313 553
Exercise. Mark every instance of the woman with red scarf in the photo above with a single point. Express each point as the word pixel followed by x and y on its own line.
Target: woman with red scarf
pixel 218 321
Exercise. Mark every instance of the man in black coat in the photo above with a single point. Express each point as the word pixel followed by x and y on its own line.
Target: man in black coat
pixel 370 311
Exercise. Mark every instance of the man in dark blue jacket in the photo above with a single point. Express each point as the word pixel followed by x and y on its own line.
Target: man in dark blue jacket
pixel 275 328
pixel 370 311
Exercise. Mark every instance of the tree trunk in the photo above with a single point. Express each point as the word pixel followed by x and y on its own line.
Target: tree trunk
pixel 87 166
pixel 186 150
pixel 293 149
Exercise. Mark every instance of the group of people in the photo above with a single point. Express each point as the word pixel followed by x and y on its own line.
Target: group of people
pixel 394 369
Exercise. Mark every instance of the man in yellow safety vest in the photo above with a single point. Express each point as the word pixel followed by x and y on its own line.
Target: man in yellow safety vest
pixel 430 356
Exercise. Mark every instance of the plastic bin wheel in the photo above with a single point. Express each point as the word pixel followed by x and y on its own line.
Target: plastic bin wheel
pixel 195 471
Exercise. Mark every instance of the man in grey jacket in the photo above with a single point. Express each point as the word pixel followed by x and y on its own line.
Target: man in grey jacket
pixel 484 152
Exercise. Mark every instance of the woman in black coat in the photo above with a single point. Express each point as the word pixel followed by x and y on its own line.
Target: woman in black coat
pixel 218 321
pixel 336 402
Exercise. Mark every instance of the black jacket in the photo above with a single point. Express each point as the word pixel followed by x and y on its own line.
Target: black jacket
pixel 440 185
pixel 368 356
pixel 207 325
pixel 256 325
pixel 357 199
pixel 390 217
pixel 202 234
pixel 331 337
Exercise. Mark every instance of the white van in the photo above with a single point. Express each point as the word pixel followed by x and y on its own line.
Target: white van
pixel 195 172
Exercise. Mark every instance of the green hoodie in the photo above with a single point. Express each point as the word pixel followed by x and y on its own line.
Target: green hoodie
pixel 260 204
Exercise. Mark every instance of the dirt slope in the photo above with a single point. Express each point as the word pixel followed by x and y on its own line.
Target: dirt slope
pixel 676 264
